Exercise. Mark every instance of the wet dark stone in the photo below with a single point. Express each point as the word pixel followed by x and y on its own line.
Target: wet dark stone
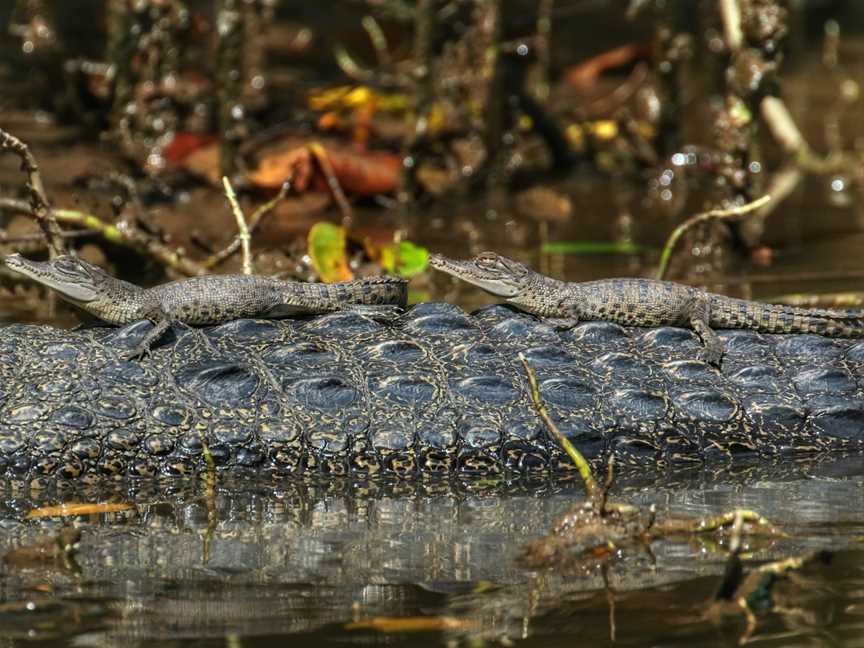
pixel 760 378
pixel 489 389
pixel 244 329
pixel 637 404
pixel 808 347
pixel 824 381
pixel 219 383
pixel 568 392
pixel 400 352
pixel 407 390
pixel 325 393
pixel 73 417
pixel 707 406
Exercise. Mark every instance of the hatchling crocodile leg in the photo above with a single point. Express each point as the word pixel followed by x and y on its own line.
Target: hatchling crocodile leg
pixel 699 316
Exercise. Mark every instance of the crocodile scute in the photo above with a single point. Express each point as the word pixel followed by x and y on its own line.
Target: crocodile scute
pixel 435 392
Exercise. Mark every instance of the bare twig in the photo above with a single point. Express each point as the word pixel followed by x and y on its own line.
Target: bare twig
pixel 595 494
pixel 121 233
pixel 243 230
pixel 320 155
pixel 783 128
pixel 254 221
pixel 672 241
pixel 40 208
pixel 379 40
pixel 730 13
pixel 39 238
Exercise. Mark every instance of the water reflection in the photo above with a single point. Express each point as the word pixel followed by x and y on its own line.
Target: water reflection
pixel 427 562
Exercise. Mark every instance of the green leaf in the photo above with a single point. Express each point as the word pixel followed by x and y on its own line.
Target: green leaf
pixel 592 247
pixel 326 244
pixel 404 259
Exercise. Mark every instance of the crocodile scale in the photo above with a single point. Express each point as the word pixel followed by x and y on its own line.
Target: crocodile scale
pixel 437 391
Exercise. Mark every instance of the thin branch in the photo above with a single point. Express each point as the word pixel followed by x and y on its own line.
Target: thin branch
pixel 595 494
pixel 379 40
pixel 730 13
pixel 121 233
pixel 320 155
pixel 254 221
pixel 672 241
pixel 243 230
pixel 40 208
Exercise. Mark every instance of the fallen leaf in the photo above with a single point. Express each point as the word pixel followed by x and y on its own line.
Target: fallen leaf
pixel 326 244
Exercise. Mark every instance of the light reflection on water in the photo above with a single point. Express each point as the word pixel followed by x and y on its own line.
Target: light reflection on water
pixel 269 561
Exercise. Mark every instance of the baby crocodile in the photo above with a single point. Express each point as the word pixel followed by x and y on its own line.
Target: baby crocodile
pixel 205 300
pixel 643 302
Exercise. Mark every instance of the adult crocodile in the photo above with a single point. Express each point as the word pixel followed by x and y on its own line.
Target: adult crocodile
pixel 643 302
pixel 435 391
pixel 211 299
